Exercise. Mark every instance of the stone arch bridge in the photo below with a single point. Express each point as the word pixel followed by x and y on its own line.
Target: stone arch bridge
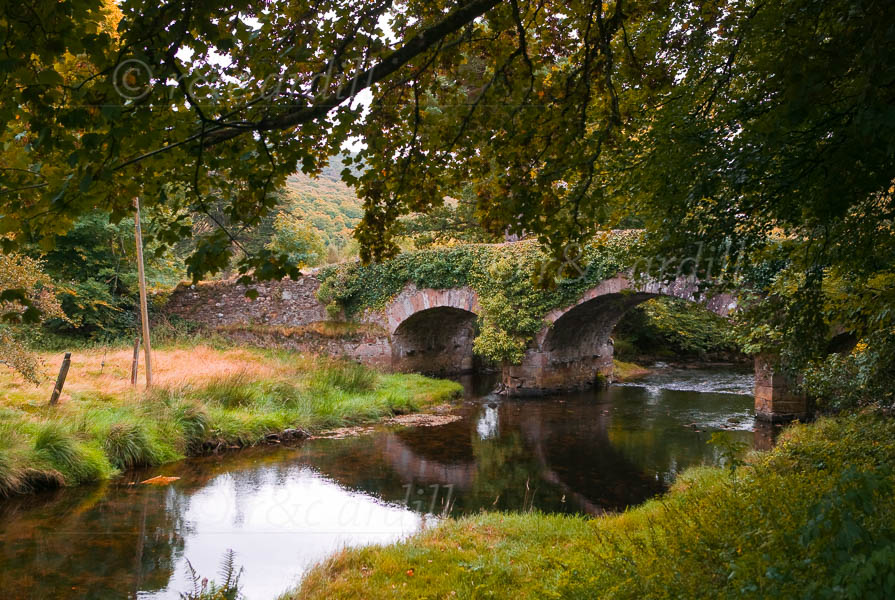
pixel 432 331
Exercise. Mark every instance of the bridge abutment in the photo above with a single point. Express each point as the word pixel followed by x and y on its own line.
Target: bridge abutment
pixel 777 398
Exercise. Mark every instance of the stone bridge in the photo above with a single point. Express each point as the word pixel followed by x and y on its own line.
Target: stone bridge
pixel 432 331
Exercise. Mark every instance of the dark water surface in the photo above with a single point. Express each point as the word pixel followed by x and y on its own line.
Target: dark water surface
pixel 283 509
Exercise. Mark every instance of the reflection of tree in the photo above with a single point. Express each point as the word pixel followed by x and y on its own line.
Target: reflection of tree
pixel 667 455
pixel 539 455
pixel 653 430
pixel 506 475
pixel 101 542
pixel 574 455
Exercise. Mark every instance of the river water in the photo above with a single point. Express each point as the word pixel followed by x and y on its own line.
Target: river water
pixel 283 509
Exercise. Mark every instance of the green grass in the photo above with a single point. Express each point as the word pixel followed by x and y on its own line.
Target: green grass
pixel 624 371
pixel 813 518
pixel 97 435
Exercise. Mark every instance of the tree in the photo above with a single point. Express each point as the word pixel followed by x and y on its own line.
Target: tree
pixel 762 125
pixel 453 222
pixel 776 137
pixel 95 271
pixel 75 141
pixel 26 294
pixel 298 241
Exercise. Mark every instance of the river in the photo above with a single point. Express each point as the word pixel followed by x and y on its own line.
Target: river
pixel 282 509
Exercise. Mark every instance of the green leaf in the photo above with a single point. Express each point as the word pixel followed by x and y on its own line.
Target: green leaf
pixel 49 77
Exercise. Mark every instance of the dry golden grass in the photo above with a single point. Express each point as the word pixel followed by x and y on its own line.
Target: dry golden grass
pixel 171 367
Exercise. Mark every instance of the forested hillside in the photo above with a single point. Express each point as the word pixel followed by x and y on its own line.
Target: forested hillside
pixel 326 203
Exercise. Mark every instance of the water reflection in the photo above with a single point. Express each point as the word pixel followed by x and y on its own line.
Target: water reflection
pixel 488 422
pixel 283 509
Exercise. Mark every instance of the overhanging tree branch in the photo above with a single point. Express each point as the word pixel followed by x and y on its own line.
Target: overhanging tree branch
pixel 418 44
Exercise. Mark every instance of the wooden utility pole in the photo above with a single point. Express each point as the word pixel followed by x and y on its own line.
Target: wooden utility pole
pixel 144 306
pixel 136 362
pixel 60 381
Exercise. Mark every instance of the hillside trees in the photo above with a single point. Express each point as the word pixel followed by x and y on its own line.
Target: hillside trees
pixel 297 240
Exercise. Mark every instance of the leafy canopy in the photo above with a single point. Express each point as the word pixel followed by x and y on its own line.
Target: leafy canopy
pixel 710 122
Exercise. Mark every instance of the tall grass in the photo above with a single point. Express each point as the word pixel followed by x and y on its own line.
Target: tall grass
pixel 238 390
pixel 96 435
pixel 57 447
pixel 345 376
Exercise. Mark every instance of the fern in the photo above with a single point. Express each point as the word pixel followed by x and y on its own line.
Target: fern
pixel 203 589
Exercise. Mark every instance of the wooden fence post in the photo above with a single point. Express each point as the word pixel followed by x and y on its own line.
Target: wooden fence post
pixel 60 381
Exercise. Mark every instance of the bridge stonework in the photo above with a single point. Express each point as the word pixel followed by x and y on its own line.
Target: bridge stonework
pixel 574 350
pixel 775 399
pixel 432 331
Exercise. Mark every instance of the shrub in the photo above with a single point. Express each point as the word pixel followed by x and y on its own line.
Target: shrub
pixel 858 378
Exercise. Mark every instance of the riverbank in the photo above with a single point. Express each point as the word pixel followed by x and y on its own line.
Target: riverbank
pixel 811 518
pixel 628 371
pixel 204 400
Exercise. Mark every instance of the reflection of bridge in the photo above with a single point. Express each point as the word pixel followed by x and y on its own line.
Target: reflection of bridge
pixel 433 331
pixel 411 465
pixel 575 457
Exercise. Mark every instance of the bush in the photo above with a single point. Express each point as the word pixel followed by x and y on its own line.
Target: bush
pixel 862 377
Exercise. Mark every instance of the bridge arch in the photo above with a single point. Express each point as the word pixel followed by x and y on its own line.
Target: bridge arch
pixel 574 349
pixel 432 331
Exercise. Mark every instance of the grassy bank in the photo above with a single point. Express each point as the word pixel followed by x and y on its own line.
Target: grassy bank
pixel 813 518
pixel 203 399
pixel 626 371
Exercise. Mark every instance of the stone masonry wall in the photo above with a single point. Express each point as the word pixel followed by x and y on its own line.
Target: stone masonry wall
pixel 216 303
pixel 283 315
pixel 435 337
